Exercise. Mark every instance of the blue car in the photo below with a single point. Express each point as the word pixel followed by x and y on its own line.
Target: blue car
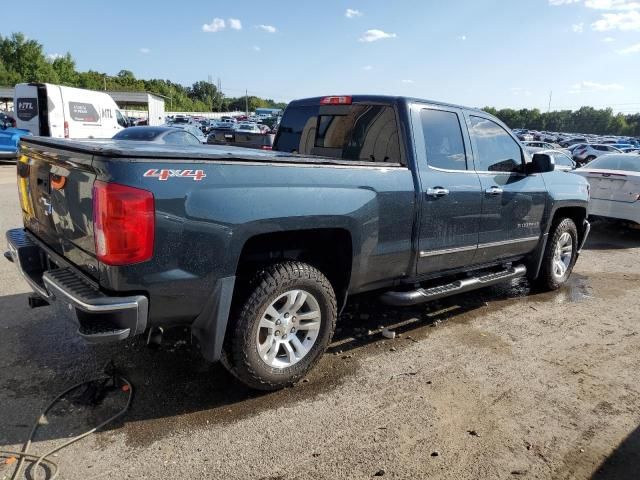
pixel 9 140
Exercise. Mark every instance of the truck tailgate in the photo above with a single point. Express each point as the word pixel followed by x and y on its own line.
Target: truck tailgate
pixel 55 188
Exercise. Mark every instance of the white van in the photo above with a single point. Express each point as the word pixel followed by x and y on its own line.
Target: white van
pixel 65 112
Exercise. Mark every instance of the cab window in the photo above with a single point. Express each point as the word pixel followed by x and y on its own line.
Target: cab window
pixel 443 140
pixel 493 148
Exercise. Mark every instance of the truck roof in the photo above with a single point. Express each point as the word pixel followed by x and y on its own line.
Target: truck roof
pixel 387 99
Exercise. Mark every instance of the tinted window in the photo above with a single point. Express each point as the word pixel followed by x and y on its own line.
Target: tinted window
pixel 176 138
pixel 443 140
pixel 356 132
pixel 191 140
pixel 138 133
pixel 494 149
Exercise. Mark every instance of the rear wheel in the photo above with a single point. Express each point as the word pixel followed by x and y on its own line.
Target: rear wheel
pixel 560 255
pixel 283 327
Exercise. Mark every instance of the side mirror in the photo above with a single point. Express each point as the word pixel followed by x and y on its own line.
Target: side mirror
pixel 541 163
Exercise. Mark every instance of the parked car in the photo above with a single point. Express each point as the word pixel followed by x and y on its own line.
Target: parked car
pixel 572 141
pixel 563 162
pixel 192 129
pixel 591 151
pixel 10 141
pixel 248 127
pixel 615 186
pixel 542 146
pixel 65 112
pixel 7 121
pixel 164 135
pixel 256 251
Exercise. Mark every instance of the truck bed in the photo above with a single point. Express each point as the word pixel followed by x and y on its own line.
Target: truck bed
pixel 208 153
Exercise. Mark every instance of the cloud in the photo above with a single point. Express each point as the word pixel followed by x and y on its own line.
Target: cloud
pixel 145 50
pixel 408 81
pixel 216 25
pixel 608 39
pixel 268 28
pixel 630 50
pixel 578 27
pixel 625 21
pixel 587 86
pixel 235 24
pixel 612 4
pixel 352 13
pixel 54 56
pixel 462 37
pixel 375 35
pixel 256 48
pixel 367 67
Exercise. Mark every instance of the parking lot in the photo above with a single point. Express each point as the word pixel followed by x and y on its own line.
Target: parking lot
pixel 501 383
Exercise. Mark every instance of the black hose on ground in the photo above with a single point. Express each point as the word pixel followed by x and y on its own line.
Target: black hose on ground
pixel 24 455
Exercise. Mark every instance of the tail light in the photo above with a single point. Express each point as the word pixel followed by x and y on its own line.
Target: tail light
pixel 123 223
pixel 266 147
pixel 66 129
pixel 336 100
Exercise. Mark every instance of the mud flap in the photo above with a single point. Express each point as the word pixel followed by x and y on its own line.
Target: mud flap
pixel 210 326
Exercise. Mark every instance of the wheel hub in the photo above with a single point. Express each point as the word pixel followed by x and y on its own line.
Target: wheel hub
pixel 288 329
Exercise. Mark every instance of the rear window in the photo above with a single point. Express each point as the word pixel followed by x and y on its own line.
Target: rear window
pixel 358 132
pixel 630 163
pixel 145 134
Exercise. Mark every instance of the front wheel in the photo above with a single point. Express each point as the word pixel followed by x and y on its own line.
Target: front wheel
pixel 283 327
pixel 560 255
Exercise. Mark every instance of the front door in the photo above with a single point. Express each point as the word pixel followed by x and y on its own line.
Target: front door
pixel 451 195
pixel 513 202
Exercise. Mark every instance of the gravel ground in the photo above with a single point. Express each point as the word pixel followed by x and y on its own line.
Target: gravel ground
pixel 501 383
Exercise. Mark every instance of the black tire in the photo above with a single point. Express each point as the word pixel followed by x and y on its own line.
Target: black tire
pixel 548 279
pixel 241 352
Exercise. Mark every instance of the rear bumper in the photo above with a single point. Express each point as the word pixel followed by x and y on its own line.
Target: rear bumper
pixel 611 209
pixel 100 317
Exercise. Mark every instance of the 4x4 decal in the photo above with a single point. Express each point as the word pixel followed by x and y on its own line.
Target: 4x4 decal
pixel 165 174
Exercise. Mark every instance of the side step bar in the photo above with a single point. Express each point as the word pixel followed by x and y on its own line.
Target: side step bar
pixel 421 295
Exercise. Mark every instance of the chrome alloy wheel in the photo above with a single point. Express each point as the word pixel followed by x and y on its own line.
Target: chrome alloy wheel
pixel 288 329
pixel 562 255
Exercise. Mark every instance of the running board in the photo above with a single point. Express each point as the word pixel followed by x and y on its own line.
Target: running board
pixel 421 295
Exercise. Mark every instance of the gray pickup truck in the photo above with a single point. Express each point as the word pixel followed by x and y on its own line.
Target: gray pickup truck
pixel 258 251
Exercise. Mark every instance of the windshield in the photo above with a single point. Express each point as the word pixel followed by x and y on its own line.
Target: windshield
pixel 134 133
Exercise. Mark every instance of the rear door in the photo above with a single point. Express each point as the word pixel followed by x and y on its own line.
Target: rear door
pixel 27 108
pixel 451 200
pixel 513 203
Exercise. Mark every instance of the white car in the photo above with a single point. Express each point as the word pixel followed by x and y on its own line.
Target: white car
pixel 591 151
pixel 195 131
pixel 615 186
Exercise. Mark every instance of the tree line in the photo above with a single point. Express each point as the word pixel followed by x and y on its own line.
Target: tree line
pixel 24 60
pixel 584 120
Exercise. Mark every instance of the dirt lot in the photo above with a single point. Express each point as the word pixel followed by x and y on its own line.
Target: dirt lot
pixel 502 383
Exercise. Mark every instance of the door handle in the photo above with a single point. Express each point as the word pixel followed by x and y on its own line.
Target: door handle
pixel 493 191
pixel 437 192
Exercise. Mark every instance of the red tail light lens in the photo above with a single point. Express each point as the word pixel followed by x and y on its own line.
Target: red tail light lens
pixel 336 100
pixel 123 223
pixel 66 129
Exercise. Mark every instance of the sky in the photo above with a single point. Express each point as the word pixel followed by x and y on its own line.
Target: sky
pixel 502 53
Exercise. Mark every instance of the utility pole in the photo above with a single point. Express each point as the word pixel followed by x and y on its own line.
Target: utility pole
pixel 246 102
pixel 550 97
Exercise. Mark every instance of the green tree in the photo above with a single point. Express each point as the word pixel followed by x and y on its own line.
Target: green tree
pixel 26 59
pixel 65 68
